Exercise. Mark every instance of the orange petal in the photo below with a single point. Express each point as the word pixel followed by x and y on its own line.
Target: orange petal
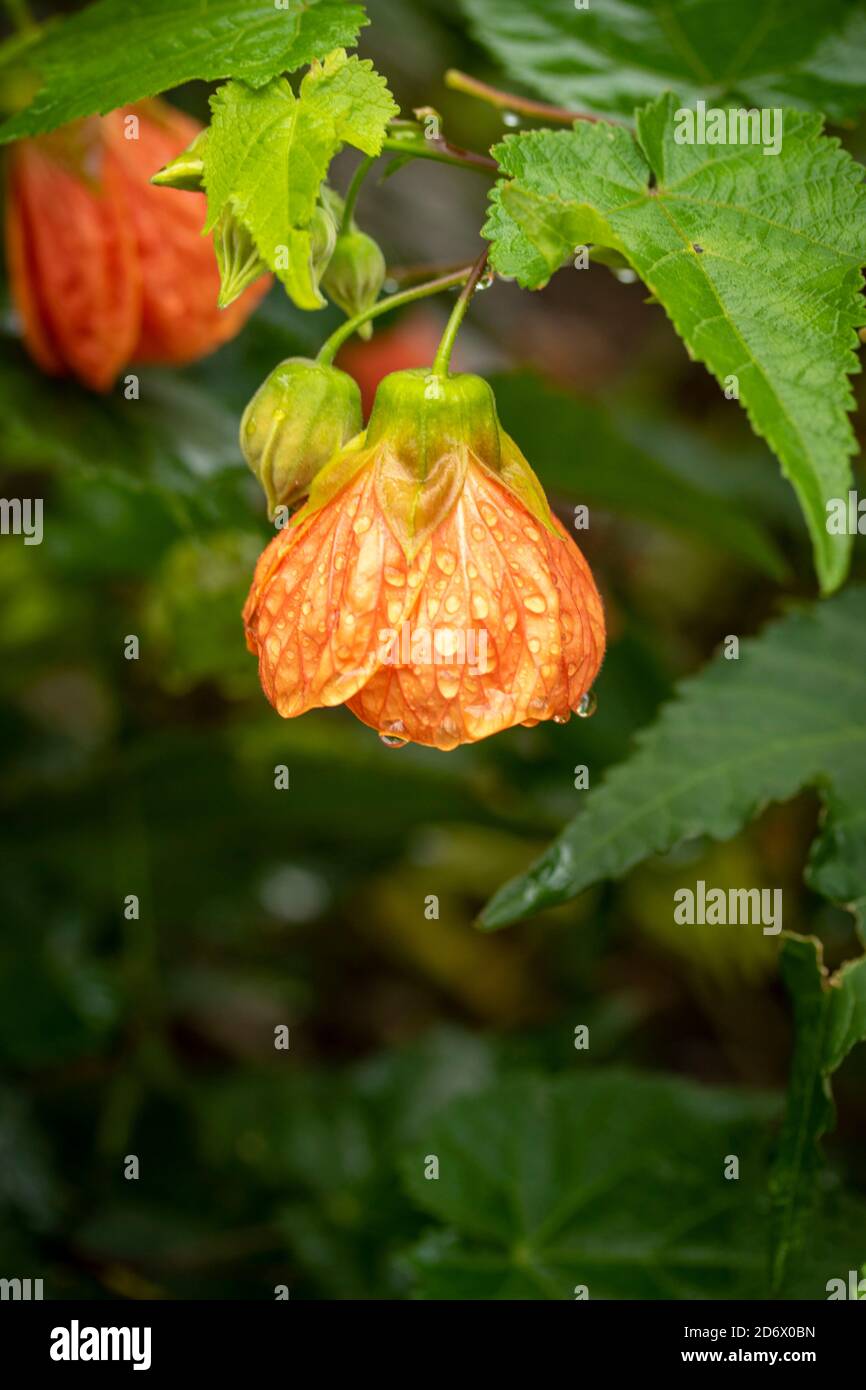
pixel 323 592
pixel 180 317
pixel 80 295
pixel 506 626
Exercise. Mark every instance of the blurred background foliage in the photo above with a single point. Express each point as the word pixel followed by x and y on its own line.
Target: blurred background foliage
pixel 410 1037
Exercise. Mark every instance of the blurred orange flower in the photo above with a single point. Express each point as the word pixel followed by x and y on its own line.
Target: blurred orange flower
pixel 426 583
pixel 105 268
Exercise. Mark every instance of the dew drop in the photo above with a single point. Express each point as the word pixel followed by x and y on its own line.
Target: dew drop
pixel 479 606
pixel 394 737
pixel 535 603
pixel 361 525
pixel 486 280
pixel 588 705
pixel 561 718
pixel 446 562
pixel 510 118
pixel 625 276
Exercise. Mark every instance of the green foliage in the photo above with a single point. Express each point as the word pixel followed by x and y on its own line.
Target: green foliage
pixel 258 908
pixel 788 713
pixel 615 470
pixel 755 260
pixel 609 58
pixel 268 152
pixel 118 51
pixel 829 1019
pixel 610 1180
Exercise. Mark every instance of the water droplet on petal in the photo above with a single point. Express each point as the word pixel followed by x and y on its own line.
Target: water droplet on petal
pixel 588 705
pixel 395 736
pixel 361 525
pixel 393 741
pixel 535 603
pixel 561 718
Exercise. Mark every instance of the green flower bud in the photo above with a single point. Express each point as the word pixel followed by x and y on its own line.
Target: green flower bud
pixel 297 420
pixel 237 257
pixel 323 233
pixel 355 275
pixel 186 170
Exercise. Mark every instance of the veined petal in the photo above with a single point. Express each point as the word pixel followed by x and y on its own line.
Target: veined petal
pixel 498 635
pixel 325 596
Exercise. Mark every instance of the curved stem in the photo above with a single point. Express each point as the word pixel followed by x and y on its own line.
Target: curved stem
pixel 508 101
pixel 354 189
pixel 458 313
pixel 329 349
pixel 407 139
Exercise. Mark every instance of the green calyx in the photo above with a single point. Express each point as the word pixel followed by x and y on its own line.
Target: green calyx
pixel 237 257
pixel 425 430
pixel 299 418
pixel 186 170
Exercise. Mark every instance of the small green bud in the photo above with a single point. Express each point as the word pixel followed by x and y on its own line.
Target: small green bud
pixel 323 233
pixel 237 257
pixel 297 420
pixel 355 275
pixel 186 170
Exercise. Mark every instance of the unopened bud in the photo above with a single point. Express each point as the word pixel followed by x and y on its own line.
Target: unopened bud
pixel 355 275
pixel 297 420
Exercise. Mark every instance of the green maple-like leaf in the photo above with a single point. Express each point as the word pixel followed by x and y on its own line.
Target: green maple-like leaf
pixel 829 1019
pixel 608 1180
pixel 609 58
pixel 756 260
pixel 268 152
pixel 118 51
pixel 789 713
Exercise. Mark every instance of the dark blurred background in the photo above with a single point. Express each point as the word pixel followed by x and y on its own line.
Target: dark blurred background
pixel 306 907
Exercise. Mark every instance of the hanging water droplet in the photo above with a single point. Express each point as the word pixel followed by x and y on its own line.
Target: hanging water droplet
pixel 486 280
pixel 561 718
pixel 625 276
pixel 395 734
pixel 511 119
pixel 588 705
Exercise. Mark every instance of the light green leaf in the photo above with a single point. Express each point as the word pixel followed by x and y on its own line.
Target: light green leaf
pixel 789 713
pixel 829 1019
pixel 608 58
pixel 268 152
pixel 610 1179
pixel 118 51
pixel 756 261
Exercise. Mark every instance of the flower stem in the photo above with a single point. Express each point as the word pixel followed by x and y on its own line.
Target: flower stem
pixel 458 313
pixel 405 138
pixel 508 101
pixel 354 189
pixel 329 349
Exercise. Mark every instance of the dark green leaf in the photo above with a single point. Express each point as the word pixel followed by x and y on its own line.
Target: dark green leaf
pixel 789 713
pixel 118 51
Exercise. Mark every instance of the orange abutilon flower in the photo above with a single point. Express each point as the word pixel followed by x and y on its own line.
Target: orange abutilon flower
pixel 105 268
pixel 426 583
